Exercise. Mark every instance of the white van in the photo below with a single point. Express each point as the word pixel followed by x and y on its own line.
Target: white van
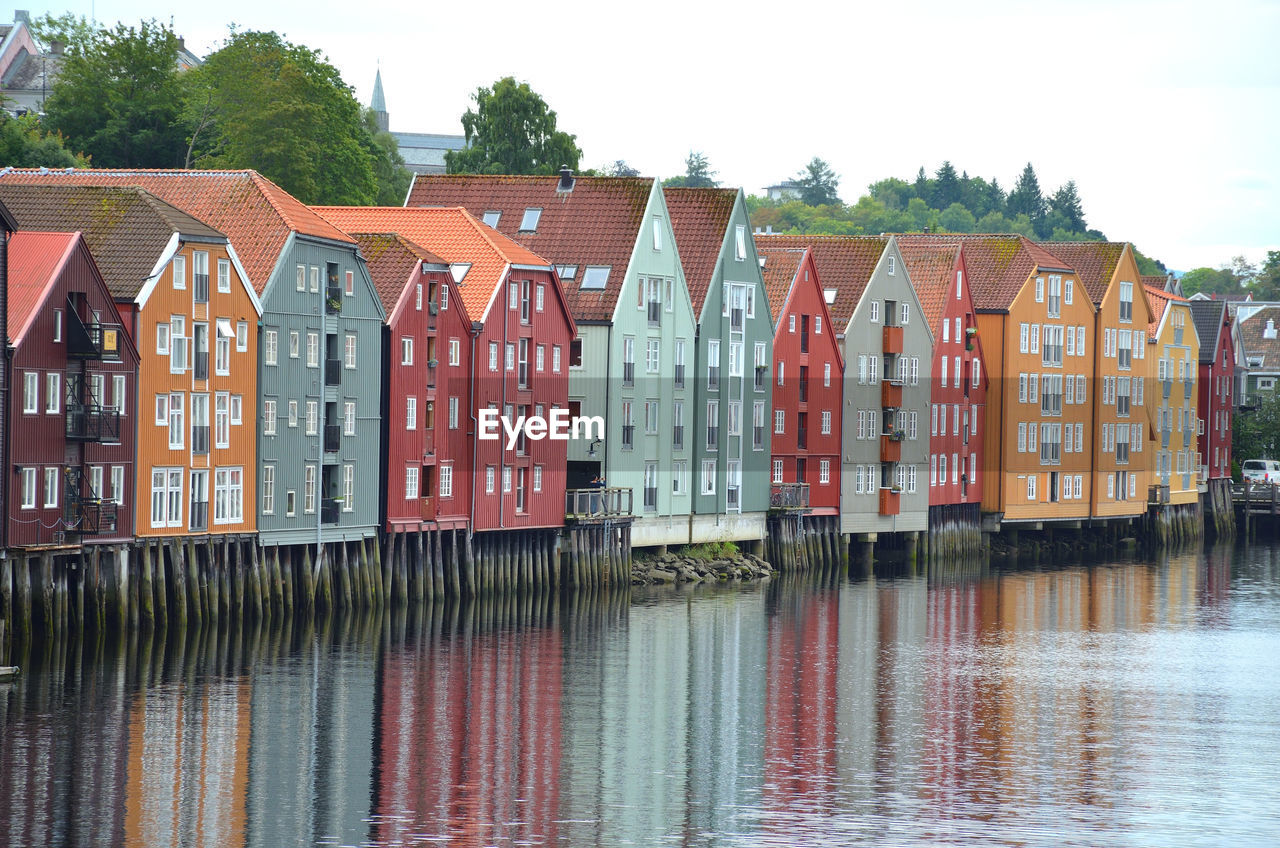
pixel 1261 471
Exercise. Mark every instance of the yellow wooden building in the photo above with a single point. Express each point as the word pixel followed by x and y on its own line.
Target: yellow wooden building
pixel 1173 368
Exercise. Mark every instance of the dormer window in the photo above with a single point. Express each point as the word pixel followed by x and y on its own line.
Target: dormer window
pixel 529 223
pixel 829 295
pixel 1270 331
pixel 595 277
pixel 567 272
pixel 459 271
pixel 491 218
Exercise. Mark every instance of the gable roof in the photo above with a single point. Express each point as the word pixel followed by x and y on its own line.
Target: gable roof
pixel 844 263
pixel 1208 316
pixel 595 223
pixel 781 265
pixel 1256 344
pixel 700 220
pixel 1159 300
pixel 255 213
pixel 390 259
pixel 930 263
pixel 1095 262
pixel 126 228
pixel 35 258
pixel 449 233
pixel 997 265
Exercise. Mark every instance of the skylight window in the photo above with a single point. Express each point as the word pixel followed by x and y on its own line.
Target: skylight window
pixel 459 270
pixel 829 295
pixel 595 276
pixel 491 218
pixel 529 223
pixel 567 272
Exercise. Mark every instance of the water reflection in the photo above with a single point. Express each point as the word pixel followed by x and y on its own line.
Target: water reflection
pixel 1115 704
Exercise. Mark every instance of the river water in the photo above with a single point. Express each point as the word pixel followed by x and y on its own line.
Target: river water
pixel 1116 704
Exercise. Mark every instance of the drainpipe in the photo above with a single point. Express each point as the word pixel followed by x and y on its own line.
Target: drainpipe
pixel 474 332
pixel 504 301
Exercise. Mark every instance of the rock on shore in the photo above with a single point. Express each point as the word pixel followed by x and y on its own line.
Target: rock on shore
pixel 677 568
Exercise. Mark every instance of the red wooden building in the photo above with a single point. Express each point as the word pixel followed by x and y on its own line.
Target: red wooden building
pixel 959 384
pixel 521 330
pixel 426 356
pixel 70 416
pixel 804 340
pixel 1216 384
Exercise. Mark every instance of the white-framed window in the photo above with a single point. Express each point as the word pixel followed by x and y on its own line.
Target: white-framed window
pixel 509 361
pixel 1031 487
pixel 53 393
pixel 179 272
pixel 31 392
pixel 349 284
pixel 224 276
pixel 177 344
pixel 176 421
pixel 446 479
pixel 242 336
pixel 313 418
pixel 349 418
pixel 708 477
pixel 680 477
pixel 824 471
pixel 779 420
pixel 309 489
pixel 537 478
pixel 293 413
pixel 315 278
pixel 875 309
pixel 228 495
pixel 652 353
pixel 269 416
pixel 905 310
pixel 455 354
pixel 406 350
pixel 222 355
pixel 791 323
pixel 490 479
pixel 826 422
pixel 555 359
pixel 29 488
pixel 221 418
pixel 302 278
pixel 294 346
pixel 740 242
pixel 893 265
pixel 493 356
pixel 349 352
pixel 268 474
pixel 453 412
pixel 777 471
pixel 348 488
pixel 410 413
pixel 166 497
pixel 313 349
pixel 826 375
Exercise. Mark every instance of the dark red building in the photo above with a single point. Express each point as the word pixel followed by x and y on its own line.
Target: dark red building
pixel 806 449
pixel 519 364
pixel 958 389
pixel 70 416
pixel 426 368
pixel 1215 386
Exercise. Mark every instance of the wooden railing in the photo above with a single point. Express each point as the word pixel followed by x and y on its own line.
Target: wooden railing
pixel 597 502
pixel 789 496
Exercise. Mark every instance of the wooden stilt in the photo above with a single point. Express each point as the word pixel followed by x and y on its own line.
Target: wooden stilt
pixel 437 567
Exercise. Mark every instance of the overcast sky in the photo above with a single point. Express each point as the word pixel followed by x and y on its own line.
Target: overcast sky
pixel 1166 114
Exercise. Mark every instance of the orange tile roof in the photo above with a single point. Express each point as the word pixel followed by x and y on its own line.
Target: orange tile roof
pixel 1095 262
pixel 597 223
pixel 255 213
pixel 1160 300
pixel 845 263
pixel 391 259
pixel 34 260
pixel 700 219
pixel 450 233
pixel 998 265
pixel 929 264
pixel 781 264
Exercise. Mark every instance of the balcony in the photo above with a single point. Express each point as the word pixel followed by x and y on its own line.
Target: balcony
pixel 890 448
pixel 580 504
pixel 789 496
pixel 893 340
pixel 889 501
pixel 330 509
pixel 333 301
pixel 332 372
pixel 332 438
pixel 891 394
pixel 92 422
pixel 85 513
pixel 92 341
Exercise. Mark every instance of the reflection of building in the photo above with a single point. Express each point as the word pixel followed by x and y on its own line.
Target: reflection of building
pixel 467 739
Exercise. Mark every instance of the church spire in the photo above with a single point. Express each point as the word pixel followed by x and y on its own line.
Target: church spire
pixel 379 103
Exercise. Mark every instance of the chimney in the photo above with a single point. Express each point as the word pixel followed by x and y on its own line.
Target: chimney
pixel 1270 331
pixel 566 180
pixel 22 17
pixel 56 47
pixel 182 43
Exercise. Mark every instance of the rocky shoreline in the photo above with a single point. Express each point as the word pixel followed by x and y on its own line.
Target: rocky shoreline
pixel 675 569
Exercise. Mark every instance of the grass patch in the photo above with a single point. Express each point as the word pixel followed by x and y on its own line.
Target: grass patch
pixel 709 551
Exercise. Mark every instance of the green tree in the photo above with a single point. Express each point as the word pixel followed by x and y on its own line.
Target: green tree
pixel 1026 199
pixel 992 222
pixel 24 144
pixel 697 173
pixel 1148 266
pixel 892 192
pixel 262 102
pixel 819 185
pixel 1209 281
pixel 1255 434
pixel 620 168
pixel 946 187
pixel 389 172
pixel 118 97
pixel 1066 202
pixel 512 130
pixel 957 219
pixel 1266 285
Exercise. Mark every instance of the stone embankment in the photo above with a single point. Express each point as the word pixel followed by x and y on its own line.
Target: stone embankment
pixel 674 568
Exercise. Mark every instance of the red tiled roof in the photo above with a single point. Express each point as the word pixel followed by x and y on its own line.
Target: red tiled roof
pixel 34 260
pixel 781 264
pixel 1157 280
pixel 1159 300
pixel 126 228
pixel 845 264
pixel 255 213
pixel 929 264
pixel 1095 262
pixel 700 219
pixel 391 259
pixel 597 223
pixel 998 265
pixel 449 233
pixel 1256 344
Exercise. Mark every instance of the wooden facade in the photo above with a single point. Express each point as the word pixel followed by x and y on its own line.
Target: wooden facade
pixel 1215 385
pixel 1173 413
pixel 71 449
pixel 804 344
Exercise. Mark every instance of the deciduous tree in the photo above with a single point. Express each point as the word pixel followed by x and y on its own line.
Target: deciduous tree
pixel 511 130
